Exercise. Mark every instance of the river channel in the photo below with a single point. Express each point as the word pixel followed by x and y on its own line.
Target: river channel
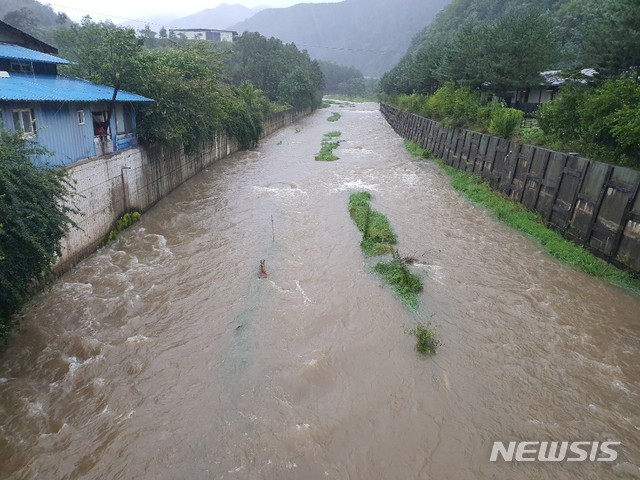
pixel 163 356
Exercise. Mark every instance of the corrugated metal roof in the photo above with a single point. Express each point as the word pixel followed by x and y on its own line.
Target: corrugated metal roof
pixel 50 88
pixel 16 52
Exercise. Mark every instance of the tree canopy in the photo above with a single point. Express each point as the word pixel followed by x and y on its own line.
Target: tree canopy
pixel 34 219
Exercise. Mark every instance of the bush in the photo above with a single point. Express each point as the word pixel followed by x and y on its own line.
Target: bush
pixel 601 122
pixel 505 121
pixel 34 219
pixel 455 107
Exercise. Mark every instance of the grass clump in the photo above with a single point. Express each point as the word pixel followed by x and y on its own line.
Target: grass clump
pixel 335 116
pixel 406 284
pixel 329 144
pixel 123 223
pixel 378 237
pixel 414 149
pixel 426 342
pixel 518 217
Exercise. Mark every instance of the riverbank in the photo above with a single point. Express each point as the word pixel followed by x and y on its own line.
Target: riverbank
pixel 530 223
pixel 593 204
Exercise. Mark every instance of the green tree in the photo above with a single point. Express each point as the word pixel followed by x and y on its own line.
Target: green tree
pixel 34 219
pixel 102 52
pixel 612 39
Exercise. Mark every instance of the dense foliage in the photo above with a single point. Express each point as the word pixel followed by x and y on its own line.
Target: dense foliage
pixel 281 71
pixel 501 55
pixel 481 48
pixel 187 80
pixel 34 219
pixel 601 122
pixel 463 107
pixel 342 80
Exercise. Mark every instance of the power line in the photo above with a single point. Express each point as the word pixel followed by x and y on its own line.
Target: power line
pixel 145 22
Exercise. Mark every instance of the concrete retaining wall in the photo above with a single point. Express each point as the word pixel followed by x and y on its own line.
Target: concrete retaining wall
pixel 135 179
pixel 591 203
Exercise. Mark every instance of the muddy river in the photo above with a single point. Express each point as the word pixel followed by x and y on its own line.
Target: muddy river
pixel 163 356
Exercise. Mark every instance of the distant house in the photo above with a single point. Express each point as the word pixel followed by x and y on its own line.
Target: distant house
pixel 529 99
pixel 67 116
pixel 208 34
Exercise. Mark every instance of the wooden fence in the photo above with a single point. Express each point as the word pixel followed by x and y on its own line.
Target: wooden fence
pixel 591 203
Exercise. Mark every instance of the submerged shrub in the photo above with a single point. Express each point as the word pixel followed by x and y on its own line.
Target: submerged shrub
pixel 426 342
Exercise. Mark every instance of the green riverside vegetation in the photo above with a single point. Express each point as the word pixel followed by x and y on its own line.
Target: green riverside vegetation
pixel 34 219
pixel 530 223
pixel 590 46
pixel 335 116
pixel 378 238
pixel 123 223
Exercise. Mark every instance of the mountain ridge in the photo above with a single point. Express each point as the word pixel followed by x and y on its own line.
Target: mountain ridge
pixel 358 33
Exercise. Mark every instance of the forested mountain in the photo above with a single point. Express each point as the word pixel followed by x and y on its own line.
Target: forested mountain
pixel 221 17
pixel 32 17
pixel 470 37
pixel 371 35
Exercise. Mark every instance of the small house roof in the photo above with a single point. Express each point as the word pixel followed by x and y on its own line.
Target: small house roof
pixel 24 38
pixel 24 87
pixel 16 52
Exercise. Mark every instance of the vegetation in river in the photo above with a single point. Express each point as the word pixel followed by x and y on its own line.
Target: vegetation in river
pixel 34 218
pixel 426 342
pixel 405 283
pixel 329 144
pixel 335 116
pixel 334 134
pixel 123 223
pixel 378 238
pixel 518 217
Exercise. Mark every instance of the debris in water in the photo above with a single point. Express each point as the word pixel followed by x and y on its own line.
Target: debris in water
pixel 263 272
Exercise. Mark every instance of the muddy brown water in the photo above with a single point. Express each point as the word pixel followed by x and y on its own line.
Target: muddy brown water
pixel 163 356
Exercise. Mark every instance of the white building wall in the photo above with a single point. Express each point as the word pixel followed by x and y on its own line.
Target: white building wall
pixel 135 179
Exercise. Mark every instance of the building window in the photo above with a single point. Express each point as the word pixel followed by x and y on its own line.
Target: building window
pixel 81 120
pixel 100 125
pixel 21 67
pixel 123 120
pixel 24 121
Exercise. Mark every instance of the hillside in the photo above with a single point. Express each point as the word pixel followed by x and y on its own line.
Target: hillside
pixel 371 35
pixel 584 33
pixel 32 17
pixel 221 17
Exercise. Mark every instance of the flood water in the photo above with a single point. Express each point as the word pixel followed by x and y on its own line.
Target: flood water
pixel 163 356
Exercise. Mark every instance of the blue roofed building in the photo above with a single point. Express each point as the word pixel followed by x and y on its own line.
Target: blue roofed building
pixel 67 116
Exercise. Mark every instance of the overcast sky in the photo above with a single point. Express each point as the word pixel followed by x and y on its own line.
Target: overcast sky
pixel 121 10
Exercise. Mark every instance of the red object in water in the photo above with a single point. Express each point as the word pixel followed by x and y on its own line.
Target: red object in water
pixel 263 272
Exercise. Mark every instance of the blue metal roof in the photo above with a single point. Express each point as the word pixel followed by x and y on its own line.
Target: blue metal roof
pixel 50 88
pixel 16 52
